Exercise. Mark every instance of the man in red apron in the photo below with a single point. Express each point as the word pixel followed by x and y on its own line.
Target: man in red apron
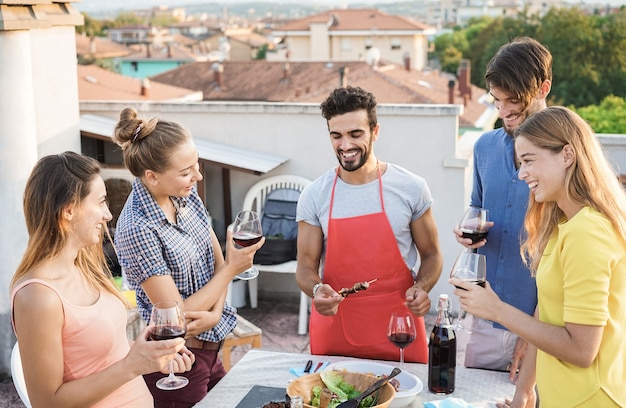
pixel 371 220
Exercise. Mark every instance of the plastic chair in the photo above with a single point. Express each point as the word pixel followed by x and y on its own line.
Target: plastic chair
pixel 254 200
pixel 18 375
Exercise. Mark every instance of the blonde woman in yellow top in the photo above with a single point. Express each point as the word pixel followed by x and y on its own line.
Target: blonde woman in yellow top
pixel 576 246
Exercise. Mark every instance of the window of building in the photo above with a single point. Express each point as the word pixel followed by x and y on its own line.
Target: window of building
pixel 396 44
pixel 346 44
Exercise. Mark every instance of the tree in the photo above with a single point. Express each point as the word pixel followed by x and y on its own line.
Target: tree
pixel 261 52
pixel 449 49
pixel 589 52
pixel 612 54
pixel 451 59
pixel 127 19
pixel 91 28
pixel 573 41
pixel 608 117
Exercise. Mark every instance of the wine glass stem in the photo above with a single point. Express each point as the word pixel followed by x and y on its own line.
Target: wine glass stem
pixel 171 377
pixel 401 358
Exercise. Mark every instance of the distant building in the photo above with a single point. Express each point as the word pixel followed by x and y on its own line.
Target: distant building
pixel 152 59
pixel 98 84
pixel 91 48
pixel 355 35
pixel 196 29
pixel 308 81
pixel 442 13
pixel 138 34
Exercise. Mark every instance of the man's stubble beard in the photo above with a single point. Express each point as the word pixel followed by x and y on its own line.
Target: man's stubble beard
pixel 364 157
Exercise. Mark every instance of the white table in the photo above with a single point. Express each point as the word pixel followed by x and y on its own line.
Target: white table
pixel 481 388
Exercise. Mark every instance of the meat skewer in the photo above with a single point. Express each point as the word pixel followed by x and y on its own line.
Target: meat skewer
pixel 356 287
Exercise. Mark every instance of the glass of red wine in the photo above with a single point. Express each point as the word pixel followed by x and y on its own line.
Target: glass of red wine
pixel 401 332
pixel 247 231
pixel 168 322
pixel 469 267
pixel 475 224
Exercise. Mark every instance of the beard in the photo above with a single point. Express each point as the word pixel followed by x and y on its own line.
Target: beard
pixel 534 107
pixel 355 165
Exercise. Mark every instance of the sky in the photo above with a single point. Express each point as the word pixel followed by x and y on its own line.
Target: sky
pixel 97 5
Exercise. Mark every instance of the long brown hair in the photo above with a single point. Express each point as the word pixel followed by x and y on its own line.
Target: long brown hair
pixel 590 180
pixel 56 182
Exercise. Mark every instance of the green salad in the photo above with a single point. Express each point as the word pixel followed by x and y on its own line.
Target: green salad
pixel 341 391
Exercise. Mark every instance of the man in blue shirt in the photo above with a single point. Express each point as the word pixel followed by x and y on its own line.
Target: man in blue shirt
pixel 519 78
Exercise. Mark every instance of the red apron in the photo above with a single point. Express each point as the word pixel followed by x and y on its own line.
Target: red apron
pixel 360 249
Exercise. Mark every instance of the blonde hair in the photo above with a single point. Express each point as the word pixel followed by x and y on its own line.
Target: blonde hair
pixel 590 180
pixel 56 182
pixel 147 144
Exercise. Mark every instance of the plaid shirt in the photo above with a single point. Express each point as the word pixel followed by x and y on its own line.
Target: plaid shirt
pixel 149 245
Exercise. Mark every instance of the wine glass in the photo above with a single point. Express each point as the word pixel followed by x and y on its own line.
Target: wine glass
pixel 475 224
pixel 469 267
pixel 247 231
pixel 401 332
pixel 168 322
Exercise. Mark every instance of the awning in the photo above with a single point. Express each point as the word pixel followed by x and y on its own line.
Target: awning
pixel 231 157
pixel 226 156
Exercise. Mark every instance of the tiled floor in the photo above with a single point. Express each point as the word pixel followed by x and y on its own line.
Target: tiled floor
pixel 279 322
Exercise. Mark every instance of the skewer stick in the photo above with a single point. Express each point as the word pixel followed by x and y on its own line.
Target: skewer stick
pixel 356 287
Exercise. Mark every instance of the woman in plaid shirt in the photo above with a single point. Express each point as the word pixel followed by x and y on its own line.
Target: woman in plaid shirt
pixel 168 250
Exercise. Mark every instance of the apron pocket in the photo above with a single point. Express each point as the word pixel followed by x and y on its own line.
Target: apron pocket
pixel 365 320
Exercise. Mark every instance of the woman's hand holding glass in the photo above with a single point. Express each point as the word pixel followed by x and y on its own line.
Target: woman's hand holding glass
pixel 240 258
pixel 181 363
pixel 151 356
pixel 247 231
pixel 470 268
pixel 167 322
pixel 480 302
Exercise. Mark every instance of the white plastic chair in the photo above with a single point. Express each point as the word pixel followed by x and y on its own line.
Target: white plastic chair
pixel 254 200
pixel 18 375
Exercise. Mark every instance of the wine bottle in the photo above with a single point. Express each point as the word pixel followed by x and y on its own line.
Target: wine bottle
pixel 442 351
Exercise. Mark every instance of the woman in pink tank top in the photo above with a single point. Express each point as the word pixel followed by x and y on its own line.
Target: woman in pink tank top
pixel 68 317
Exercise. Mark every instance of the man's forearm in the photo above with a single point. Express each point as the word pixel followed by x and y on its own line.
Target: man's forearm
pixel 429 272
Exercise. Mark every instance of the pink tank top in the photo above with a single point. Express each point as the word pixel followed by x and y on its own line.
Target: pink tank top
pixel 94 337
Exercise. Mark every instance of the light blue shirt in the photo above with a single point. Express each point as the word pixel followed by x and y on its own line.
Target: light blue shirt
pixel 497 188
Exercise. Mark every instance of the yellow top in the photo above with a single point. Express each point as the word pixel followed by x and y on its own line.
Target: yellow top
pixel 582 279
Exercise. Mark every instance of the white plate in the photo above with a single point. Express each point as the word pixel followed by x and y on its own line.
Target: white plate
pixel 410 385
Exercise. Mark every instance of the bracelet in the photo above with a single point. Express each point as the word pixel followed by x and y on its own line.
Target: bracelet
pixel 316 287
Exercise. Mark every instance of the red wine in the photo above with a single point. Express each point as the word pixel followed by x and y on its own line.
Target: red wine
pixel 475 236
pixel 442 352
pixel 474 281
pixel 167 332
pixel 245 239
pixel 442 360
pixel 401 339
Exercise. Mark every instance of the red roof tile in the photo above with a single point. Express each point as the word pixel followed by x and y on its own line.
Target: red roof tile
pixel 96 84
pixel 99 47
pixel 312 82
pixel 355 19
